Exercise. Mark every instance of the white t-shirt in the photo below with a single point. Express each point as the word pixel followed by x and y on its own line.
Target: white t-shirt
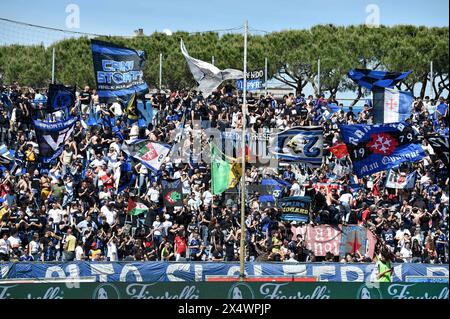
pixel 153 194
pixel 406 253
pixel 109 214
pixel 112 252
pixel 117 109
pixel 56 214
pixel 346 198
pixel 207 197
pixel 4 246
pixel 79 252
pixel 296 189
pixel 34 247
pixel 14 241
pixel 156 226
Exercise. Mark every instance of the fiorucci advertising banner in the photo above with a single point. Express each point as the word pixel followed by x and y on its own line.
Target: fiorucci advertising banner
pixel 224 290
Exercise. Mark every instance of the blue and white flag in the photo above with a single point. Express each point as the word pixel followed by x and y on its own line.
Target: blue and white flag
pixel 400 181
pixel 299 144
pixel 51 137
pixel 119 71
pixel 375 148
pixel 391 106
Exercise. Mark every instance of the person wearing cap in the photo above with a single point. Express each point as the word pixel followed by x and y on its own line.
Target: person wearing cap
pixel 94 253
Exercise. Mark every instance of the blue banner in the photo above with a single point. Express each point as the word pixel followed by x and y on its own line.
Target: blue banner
pixel 198 271
pixel 119 71
pixel 375 148
pixel 252 85
pixel 295 208
pixel 51 137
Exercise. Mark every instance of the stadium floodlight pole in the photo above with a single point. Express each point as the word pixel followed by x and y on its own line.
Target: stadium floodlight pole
pixel 318 75
pixel 265 76
pixel 244 117
pixel 160 71
pixel 431 79
pixel 53 65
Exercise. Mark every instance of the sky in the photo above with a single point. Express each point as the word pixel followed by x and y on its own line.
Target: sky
pixel 114 17
pixel 123 17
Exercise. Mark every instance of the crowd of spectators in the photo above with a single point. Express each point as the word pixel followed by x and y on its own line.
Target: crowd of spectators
pixel 75 208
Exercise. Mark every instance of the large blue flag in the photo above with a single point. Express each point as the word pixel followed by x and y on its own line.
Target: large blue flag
pixel 375 148
pixel 51 137
pixel 119 71
pixel 370 78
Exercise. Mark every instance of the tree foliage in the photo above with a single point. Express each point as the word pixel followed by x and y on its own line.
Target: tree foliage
pixel 292 56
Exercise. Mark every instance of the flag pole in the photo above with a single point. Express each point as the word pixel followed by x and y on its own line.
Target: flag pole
pixel 318 75
pixel 160 70
pixel 244 113
pixel 53 65
pixel 265 76
pixel 431 79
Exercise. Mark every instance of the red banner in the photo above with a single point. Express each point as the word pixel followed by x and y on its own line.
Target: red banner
pixel 339 150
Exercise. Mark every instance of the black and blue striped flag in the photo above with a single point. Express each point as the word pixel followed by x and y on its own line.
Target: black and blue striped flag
pixel 369 78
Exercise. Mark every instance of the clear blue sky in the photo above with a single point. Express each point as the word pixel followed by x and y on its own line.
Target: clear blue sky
pixel 121 17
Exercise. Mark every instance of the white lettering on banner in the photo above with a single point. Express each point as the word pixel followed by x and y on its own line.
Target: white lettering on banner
pixel 54 269
pixel 61 138
pixel 130 268
pixel 400 291
pixel 318 271
pixel 4 270
pixel 274 291
pixel 257 270
pixel 171 269
pixel 398 272
pixel 234 270
pixel 143 291
pixel 389 159
pixel 74 272
pixel 198 269
pixel 354 269
pixel 359 134
pixel 294 270
pixel 102 271
pixel 437 271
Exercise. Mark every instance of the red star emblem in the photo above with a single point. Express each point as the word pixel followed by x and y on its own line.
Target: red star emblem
pixel 354 245
pixel 382 143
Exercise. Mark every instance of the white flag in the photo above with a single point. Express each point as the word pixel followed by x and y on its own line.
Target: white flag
pixel 207 75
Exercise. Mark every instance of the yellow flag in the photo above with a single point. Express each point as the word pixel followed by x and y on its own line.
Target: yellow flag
pixel 235 174
pixel 131 109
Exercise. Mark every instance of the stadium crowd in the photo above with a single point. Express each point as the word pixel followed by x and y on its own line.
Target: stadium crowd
pixel 75 208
